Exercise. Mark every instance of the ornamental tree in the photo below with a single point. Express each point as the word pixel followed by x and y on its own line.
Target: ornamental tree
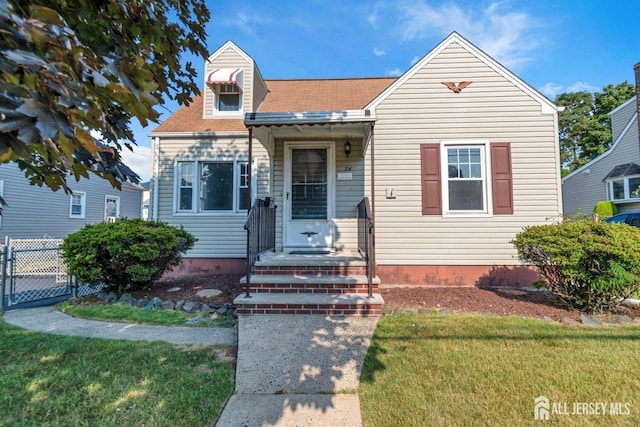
pixel 74 69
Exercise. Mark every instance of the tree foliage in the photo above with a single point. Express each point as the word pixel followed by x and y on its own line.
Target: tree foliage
pixel 588 264
pixel 126 255
pixel 72 69
pixel 585 124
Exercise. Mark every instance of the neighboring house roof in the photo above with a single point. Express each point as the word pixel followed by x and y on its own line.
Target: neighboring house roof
pixel 621 171
pixel 284 96
pixel 631 122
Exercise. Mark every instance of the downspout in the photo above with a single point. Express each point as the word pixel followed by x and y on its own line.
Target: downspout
pixel 373 201
pixel 636 69
pixel 156 180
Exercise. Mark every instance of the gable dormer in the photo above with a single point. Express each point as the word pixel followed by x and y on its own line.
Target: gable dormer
pixel 233 84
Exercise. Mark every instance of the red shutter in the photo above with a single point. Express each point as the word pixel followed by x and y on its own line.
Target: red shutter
pixel 430 177
pixel 501 178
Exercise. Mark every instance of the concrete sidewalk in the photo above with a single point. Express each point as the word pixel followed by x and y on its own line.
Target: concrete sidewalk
pixel 51 320
pixel 298 370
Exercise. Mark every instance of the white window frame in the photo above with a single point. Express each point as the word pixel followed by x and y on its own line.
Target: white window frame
pixel 117 199
pixel 216 101
pixel 627 190
pixel 196 188
pixel 83 205
pixel 485 157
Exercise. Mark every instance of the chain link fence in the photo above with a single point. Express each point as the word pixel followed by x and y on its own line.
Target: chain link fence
pixel 34 273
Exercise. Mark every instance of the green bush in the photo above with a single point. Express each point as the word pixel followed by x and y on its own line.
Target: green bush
pixel 126 255
pixel 590 265
pixel 605 209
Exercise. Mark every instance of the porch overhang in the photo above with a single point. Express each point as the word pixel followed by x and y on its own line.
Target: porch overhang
pixel 336 123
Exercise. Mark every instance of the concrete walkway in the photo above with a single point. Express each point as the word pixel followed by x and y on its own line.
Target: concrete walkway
pixel 298 370
pixel 292 370
pixel 51 320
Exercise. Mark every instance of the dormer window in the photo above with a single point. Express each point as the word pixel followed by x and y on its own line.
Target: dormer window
pixel 226 84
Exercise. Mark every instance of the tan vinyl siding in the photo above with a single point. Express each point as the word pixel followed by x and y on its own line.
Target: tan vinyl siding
pixel 221 235
pixel 581 191
pixel 259 89
pixel 424 111
pixel 229 58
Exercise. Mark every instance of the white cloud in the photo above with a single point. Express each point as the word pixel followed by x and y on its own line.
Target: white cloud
pixel 139 160
pixel 582 87
pixel 551 90
pixel 378 52
pixel 246 22
pixel 415 59
pixel 503 34
pixel 394 72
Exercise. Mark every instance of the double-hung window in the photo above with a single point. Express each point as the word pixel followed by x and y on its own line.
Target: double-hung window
pixel 465 184
pixel 212 186
pixel 77 205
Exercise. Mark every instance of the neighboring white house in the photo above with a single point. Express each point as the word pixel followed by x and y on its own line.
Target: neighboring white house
pixel 38 212
pixel 456 156
pixel 615 174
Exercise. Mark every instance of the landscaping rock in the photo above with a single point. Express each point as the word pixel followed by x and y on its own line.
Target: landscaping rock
pixel 444 311
pixel 548 319
pixel 387 310
pixel 589 320
pixel 222 311
pixel 142 302
pixel 190 306
pixel 409 311
pixel 111 298
pixel 149 305
pixel 167 305
pixel 208 293
pixel 179 304
pixel 231 312
pixel 174 289
pixel 102 295
pixel 623 319
pixel 157 302
pixel 206 309
pixel 133 302
pixel 124 299
pixel 569 321
pixel 425 311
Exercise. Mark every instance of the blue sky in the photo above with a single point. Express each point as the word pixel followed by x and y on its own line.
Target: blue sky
pixel 554 45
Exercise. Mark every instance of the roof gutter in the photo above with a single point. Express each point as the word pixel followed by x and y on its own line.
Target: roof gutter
pixel 198 134
pixel 308 118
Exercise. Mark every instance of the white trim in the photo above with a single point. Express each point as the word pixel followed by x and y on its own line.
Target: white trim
pixel 485 146
pixel 229 45
pixel 331 181
pixel 83 204
pixel 309 117
pixel 546 105
pixel 195 209
pixel 624 104
pixel 156 178
pixel 606 153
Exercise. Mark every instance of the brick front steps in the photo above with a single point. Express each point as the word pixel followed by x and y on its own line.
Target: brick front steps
pixel 336 304
pixel 334 284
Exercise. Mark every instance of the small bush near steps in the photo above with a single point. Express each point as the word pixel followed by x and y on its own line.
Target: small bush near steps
pixel 590 265
pixel 126 255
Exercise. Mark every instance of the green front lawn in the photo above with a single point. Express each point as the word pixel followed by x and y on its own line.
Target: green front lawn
pixel 69 381
pixel 479 370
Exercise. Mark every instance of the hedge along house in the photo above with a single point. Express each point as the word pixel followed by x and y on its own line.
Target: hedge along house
pixel 453 158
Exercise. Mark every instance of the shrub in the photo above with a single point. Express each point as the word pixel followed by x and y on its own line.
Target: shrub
pixel 126 255
pixel 589 265
pixel 605 209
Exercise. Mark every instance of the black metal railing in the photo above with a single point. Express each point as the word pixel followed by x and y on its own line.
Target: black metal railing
pixel 365 239
pixel 261 233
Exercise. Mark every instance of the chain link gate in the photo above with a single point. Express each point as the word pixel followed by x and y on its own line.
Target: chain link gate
pixel 34 274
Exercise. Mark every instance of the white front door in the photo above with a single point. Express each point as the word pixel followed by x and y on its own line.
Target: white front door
pixel 309 194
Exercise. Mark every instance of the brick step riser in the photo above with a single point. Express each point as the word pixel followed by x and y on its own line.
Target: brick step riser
pixel 312 271
pixel 324 309
pixel 309 289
